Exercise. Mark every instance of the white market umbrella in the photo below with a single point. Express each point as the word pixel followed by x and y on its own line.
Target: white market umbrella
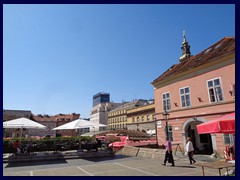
pixel 79 124
pixel 22 123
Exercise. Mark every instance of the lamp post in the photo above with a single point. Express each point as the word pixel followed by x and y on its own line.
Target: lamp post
pixel 165 116
pixel 155 122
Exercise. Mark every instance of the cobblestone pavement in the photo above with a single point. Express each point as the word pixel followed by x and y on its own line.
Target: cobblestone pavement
pixel 118 166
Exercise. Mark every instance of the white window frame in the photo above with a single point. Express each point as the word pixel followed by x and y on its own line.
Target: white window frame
pixel 215 96
pixel 228 139
pixel 185 96
pixel 168 106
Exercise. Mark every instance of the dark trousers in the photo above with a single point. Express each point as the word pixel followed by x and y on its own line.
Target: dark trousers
pixel 169 158
pixel 190 155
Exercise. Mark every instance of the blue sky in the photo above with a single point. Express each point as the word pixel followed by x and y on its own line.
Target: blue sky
pixel 56 57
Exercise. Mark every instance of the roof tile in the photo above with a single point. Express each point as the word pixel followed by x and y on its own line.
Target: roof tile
pixel 223 47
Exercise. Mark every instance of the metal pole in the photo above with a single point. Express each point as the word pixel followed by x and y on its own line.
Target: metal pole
pixel 167 128
pixel 156 131
pixel 165 115
pixel 21 131
pixel 79 140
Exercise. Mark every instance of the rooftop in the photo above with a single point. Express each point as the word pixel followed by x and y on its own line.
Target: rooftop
pixel 222 48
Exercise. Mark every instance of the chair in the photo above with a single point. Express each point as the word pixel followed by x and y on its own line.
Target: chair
pixel 226 155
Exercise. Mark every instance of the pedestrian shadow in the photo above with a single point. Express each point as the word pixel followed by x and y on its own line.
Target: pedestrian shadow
pixel 34 163
pixel 185 166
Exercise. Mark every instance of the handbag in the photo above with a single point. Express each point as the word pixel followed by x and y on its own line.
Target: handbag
pixel 169 160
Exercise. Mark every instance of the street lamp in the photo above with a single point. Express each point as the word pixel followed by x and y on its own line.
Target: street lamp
pixel 155 122
pixel 166 116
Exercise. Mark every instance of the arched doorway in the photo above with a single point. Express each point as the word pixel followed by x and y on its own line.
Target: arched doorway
pixel 202 143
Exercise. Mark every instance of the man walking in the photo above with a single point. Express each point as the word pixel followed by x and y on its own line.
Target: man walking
pixel 168 153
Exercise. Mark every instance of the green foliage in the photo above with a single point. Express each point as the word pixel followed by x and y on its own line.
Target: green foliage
pixel 44 144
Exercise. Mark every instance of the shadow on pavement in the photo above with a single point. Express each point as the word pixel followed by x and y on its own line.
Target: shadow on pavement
pixel 99 159
pixel 186 166
pixel 34 163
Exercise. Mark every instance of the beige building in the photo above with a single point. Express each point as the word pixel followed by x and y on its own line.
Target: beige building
pixel 117 118
pixel 142 118
pixel 99 113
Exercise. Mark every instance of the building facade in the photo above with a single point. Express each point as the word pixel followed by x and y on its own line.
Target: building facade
pixel 142 118
pixel 101 98
pixel 99 113
pixel 117 118
pixel 63 119
pixel 100 109
pixel 198 89
pixel 49 121
pixel 15 114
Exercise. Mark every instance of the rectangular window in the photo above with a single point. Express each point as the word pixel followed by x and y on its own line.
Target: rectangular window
pixel 138 119
pixel 215 90
pixel 148 118
pixel 133 120
pixel 142 118
pixel 228 139
pixel 185 97
pixel 153 116
pixel 166 101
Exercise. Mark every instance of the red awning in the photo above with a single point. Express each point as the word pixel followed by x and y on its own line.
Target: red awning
pixel 224 124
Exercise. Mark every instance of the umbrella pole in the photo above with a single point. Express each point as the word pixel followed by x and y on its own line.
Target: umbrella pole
pixel 79 140
pixel 21 134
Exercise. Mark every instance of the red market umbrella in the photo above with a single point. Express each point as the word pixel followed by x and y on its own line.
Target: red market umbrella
pixel 224 124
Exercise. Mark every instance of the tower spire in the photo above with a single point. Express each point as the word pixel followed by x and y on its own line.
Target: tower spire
pixel 185 49
pixel 184 37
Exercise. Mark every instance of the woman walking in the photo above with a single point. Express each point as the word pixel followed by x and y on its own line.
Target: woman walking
pixel 168 153
pixel 190 150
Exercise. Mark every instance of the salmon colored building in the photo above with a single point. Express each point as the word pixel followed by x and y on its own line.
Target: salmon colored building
pixel 54 121
pixel 62 119
pixel 198 89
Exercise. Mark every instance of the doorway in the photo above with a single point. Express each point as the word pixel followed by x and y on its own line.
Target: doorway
pixel 202 143
pixel 206 141
pixel 191 133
